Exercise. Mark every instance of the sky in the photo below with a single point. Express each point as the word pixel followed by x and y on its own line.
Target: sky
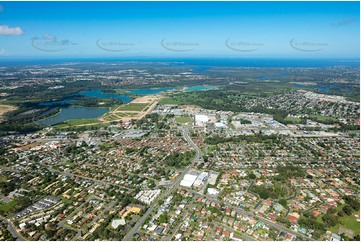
pixel 191 29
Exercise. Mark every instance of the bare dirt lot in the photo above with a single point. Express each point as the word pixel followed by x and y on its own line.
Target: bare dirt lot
pixel 4 109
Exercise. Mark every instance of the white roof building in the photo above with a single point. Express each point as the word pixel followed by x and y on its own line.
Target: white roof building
pixel 117 222
pixel 203 176
pixel 201 119
pixel 220 126
pixel 212 191
pixel 198 183
pixel 178 236
pixel 188 180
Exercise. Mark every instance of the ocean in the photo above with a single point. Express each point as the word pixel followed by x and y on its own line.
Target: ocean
pixel 201 64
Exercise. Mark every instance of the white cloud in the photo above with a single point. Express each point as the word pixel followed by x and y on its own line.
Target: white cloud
pixel 1 8
pixel 5 30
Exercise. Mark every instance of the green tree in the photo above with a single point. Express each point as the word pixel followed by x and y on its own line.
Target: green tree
pixel 330 220
pixel 347 210
pixel 331 210
pixel 283 202
pixel 163 218
pixel 252 176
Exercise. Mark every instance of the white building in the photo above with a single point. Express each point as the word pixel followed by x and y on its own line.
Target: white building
pixel 201 119
pixel 198 183
pixel 212 191
pixel 213 178
pixel 188 180
pixel 117 222
pixel 220 126
pixel 203 176
pixel 148 196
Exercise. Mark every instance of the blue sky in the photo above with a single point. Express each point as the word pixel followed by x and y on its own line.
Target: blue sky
pixel 204 29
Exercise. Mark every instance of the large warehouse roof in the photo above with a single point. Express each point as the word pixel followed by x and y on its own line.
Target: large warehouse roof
pixel 188 180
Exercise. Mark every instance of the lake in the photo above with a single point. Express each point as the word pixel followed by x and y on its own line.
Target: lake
pixel 125 98
pixel 100 94
pixel 151 91
pixel 73 113
pixel 64 101
pixel 325 88
pixel 200 88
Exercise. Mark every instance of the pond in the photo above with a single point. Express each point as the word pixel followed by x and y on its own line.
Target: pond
pixel 70 113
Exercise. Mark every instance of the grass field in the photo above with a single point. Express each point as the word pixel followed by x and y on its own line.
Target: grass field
pixel 5 207
pixel 111 117
pixel 208 149
pixel 184 119
pixel 95 126
pixel 118 115
pixel 348 222
pixel 293 120
pixel 82 121
pixel 130 110
pixel 125 114
pixel 133 107
pixel 5 109
pixel 78 122
pixel 168 100
pixel 31 145
pixel 320 118
pixel 356 132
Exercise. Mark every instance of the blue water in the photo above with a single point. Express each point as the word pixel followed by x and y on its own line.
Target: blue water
pixel 70 113
pixel 201 62
pixel 64 101
pixel 100 94
pixel 325 88
pixel 151 91
pixel 200 88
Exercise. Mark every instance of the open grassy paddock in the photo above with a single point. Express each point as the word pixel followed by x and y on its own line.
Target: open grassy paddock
pixel 133 107
pixel 184 119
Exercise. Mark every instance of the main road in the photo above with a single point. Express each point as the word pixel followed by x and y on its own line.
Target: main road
pixel 175 186
pixel 11 227
pixel 170 189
